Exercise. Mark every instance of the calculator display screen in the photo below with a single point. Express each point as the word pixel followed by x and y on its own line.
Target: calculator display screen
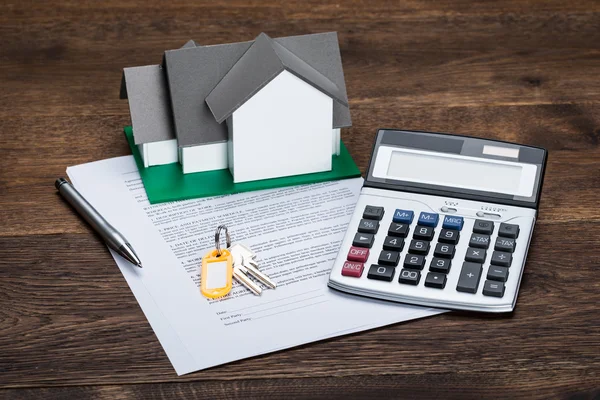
pixel 460 172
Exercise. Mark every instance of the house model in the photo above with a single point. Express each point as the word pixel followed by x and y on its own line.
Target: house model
pixel 263 109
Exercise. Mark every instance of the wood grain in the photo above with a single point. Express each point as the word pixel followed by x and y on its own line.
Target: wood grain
pixel 524 71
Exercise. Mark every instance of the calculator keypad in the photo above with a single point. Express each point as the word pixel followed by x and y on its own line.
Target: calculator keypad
pixel 476 262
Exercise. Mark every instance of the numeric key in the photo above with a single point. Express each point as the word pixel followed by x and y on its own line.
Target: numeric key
pixel 400 230
pixel 443 250
pixel 389 258
pixel 440 265
pixel 424 232
pixel 419 247
pixel 381 273
pixel 409 277
pixel 368 226
pixel 393 243
pixel 449 236
pixel 413 261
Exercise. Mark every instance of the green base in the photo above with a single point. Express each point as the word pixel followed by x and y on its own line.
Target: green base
pixel 169 183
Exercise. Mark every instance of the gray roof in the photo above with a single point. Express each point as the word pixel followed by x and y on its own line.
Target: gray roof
pixel 146 88
pixel 192 73
pixel 260 64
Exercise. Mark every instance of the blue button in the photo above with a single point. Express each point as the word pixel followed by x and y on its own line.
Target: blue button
pixel 428 219
pixel 403 216
pixel 455 223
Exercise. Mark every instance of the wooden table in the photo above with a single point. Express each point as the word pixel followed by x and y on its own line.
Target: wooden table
pixel 521 71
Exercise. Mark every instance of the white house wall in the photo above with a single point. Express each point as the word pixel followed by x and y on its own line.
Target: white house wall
pixel 336 138
pixel 285 129
pixel 203 158
pixel 158 153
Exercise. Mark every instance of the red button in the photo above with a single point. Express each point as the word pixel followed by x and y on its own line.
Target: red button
pixel 352 269
pixel 358 254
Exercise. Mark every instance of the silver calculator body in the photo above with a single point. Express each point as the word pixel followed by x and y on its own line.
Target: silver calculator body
pixel 442 221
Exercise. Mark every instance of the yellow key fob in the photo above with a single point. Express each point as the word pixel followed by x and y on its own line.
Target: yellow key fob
pixel 217 272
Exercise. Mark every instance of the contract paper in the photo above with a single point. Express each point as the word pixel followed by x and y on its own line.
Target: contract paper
pixel 296 233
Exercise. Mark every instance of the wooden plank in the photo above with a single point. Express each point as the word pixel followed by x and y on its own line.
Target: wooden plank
pixel 94 333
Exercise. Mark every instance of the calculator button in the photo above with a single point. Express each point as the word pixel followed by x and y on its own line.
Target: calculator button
pixel 424 232
pixel 358 254
pixel 403 216
pixel 419 247
pixel 493 288
pixel 475 255
pixel 429 219
pixel 455 223
pixel 381 273
pixel 368 226
pixel 468 281
pixel 393 243
pixel 508 230
pixel 413 261
pixel 497 273
pixel 353 269
pixel 389 258
pixel 372 212
pixel 440 265
pixel 400 230
pixel 479 240
pixel 435 280
pixel 504 244
pixel 410 277
pixel 449 236
pixel 501 258
pixel 363 240
pixel 443 250
pixel 483 226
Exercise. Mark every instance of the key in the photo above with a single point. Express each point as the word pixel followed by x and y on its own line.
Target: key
pixel 475 255
pixel 252 268
pixel 381 273
pixel 389 258
pixel 418 247
pixel 440 265
pixel 455 223
pixel 393 243
pixel 368 226
pixel 373 212
pixel 354 269
pixel 508 230
pixel 429 219
pixel 424 232
pixel 400 230
pixel 241 275
pixel 245 267
pixel 363 240
pixel 449 236
pixel 501 259
pixel 414 261
pixel 497 273
pixel 409 277
pixel 503 244
pixel 443 250
pixel 494 289
pixel 435 280
pixel 403 216
pixel 357 254
pixel 484 227
pixel 480 241
pixel 468 281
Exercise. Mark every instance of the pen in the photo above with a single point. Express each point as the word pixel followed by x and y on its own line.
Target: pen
pixel 110 235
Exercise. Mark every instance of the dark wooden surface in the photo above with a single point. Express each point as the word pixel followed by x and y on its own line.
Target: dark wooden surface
pixel 524 71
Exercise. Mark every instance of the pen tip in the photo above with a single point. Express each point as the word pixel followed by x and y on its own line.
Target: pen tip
pixel 139 265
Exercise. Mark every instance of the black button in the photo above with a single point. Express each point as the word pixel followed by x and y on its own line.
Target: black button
pixel 444 250
pixel 449 236
pixel 501 258
pixel 504 244
pixel 440 265
pixel 468 281
pixel 363 240
pixel 483 226
pixel 393 243
pixel 410 277
pixel 389 258
pixel 381 273
pixel 419 247
pixel 423 232
pixel 479 240
pixel 497 273
pixel 475 255
pixel 413 261
pixel 373 212
pixel 368 226
pixel 508 230
pixel 435 280
pixel 493 288
pixel 400 230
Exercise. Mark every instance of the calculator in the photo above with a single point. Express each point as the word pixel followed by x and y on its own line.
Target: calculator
pixel 442 221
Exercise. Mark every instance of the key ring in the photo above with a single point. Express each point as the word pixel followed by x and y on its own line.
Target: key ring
pixel 218 241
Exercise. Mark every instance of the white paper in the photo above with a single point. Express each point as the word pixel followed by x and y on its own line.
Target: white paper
pixel 296 233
